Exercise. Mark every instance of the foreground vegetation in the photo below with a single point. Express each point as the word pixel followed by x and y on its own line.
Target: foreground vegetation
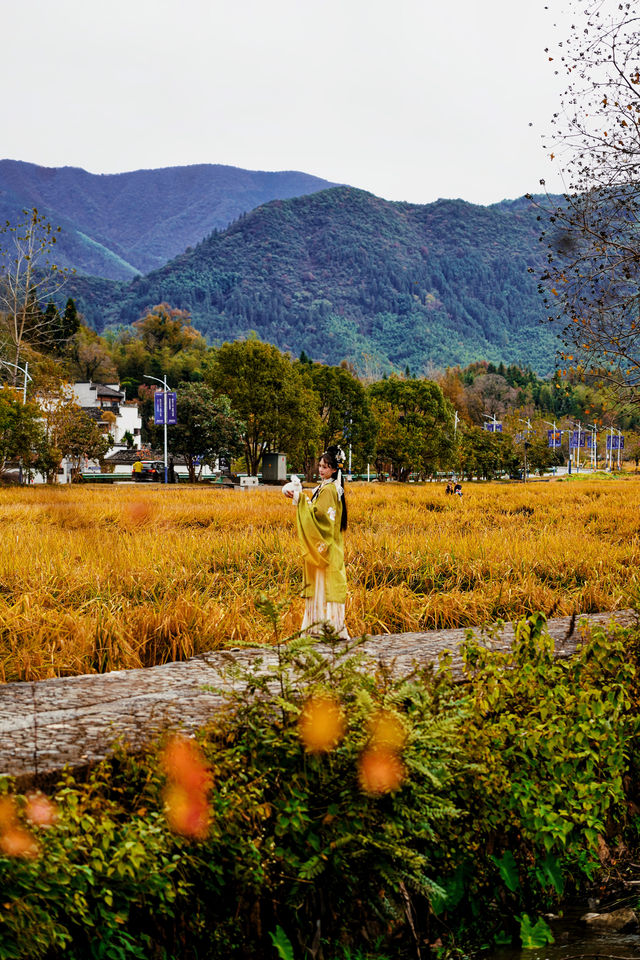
pixel 412 816
pixel 95 579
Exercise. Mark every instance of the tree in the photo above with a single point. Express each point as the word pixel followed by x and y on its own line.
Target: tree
pixel 343 408
pixel 20 428
pixel 415 426
pixel 592 280
pixel 28 279
pixel 91 358
pixel 206 429
pixel 268 394
pixel 161 342
pixel 485 454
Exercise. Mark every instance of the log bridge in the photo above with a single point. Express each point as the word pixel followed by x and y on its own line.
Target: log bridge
pixel 48 725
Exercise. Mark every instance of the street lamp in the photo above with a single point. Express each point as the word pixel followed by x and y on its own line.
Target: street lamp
pixel 580 432
pixel 492 419
pixel 555 431
pixel 594 445
pixel 164 407
pixel 526 444
pixel 25 370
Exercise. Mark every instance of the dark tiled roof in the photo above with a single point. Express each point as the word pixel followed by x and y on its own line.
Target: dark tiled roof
pixel 130 456
pixel 95 413
pixel 108 392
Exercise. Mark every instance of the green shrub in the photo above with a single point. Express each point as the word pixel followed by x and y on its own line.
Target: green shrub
pixel 513 782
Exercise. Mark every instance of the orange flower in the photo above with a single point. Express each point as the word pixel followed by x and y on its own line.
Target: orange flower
pixel 8 812
pixel 136 514
pixel 18 842
pixel 322 725
pixel 186 795
pixel 184 763
pixel 386 730
pixel 380 771
pixel 187 811
pixel 40 811
pixel 15 841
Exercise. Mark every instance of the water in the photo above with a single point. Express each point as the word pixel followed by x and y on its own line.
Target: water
pixel 573 939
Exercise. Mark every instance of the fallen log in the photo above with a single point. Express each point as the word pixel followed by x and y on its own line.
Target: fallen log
pixel 74 721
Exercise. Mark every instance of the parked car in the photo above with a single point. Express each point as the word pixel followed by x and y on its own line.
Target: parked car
pixel 152 471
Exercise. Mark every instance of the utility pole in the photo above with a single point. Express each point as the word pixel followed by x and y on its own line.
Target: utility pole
pixel 164 408
pixel 526 444
pixel 554 445
pixel 594 445
pixel 25 371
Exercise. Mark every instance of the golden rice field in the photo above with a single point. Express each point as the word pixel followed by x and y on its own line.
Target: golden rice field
pixel 101 578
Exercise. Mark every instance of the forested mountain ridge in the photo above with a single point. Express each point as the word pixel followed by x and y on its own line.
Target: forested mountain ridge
pixel 343 274
pixel 119 225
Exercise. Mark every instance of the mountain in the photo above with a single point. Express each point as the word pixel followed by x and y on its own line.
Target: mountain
pixel 342 274
pixel 120 225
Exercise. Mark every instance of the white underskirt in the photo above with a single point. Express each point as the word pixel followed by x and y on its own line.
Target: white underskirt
pixel 317 611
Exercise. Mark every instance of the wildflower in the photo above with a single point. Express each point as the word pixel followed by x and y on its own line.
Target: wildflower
pixel 322 724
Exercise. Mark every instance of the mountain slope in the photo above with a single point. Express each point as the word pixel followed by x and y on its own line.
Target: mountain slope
pixel 343 274
pixel 119 225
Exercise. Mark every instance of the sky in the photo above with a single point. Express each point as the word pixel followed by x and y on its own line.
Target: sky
pixel 410 99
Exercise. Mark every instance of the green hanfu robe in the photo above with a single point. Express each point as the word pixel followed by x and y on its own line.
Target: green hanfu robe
pixel 325 580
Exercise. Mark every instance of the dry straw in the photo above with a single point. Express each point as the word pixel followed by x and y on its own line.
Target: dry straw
pixel 95 579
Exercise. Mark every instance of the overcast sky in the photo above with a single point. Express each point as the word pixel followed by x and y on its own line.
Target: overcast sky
pixel 410 99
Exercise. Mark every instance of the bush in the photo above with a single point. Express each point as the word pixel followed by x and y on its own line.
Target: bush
pixel 412 810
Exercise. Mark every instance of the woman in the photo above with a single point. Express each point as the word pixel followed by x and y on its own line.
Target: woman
pixel 321 522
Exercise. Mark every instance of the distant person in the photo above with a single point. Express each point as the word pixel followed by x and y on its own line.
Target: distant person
pixel 137 470
pixel 458 489
pixel 449 488
pixel 171 472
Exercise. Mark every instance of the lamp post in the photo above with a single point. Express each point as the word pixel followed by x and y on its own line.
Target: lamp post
pixel 594 445
pixel 619 446
pixel 580 432
pixel 526 444
pixel 493 420
pixel 553 427
pixel 164 408
pixel 25 371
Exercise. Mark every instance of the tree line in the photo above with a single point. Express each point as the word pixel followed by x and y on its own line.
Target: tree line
pixel 246 398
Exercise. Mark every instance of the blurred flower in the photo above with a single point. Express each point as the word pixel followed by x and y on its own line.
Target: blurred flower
pixel 187 811
pixel 40 811
pixel 380 771
pixel 186 795
pixel 322 725
pixel 387 730
pixel 15 841
pixel 8 812
pixel 136 513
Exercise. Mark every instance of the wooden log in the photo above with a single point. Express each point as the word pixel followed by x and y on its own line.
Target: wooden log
pixel 74 721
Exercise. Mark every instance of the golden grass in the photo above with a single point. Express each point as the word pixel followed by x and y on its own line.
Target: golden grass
pixel 95 578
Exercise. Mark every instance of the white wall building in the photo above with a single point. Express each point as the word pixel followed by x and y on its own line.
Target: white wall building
pixel 97 398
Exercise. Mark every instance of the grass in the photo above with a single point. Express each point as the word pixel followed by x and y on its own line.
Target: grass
pixel 95 579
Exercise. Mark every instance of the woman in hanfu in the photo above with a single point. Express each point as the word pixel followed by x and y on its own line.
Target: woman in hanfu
pixel 321 521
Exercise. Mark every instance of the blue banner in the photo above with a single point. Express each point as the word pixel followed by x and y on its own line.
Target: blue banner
pixel 172 408
pixel 493 427
pixel 615 443
pixel 577 439
pixel 554 438
pixel 158 408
